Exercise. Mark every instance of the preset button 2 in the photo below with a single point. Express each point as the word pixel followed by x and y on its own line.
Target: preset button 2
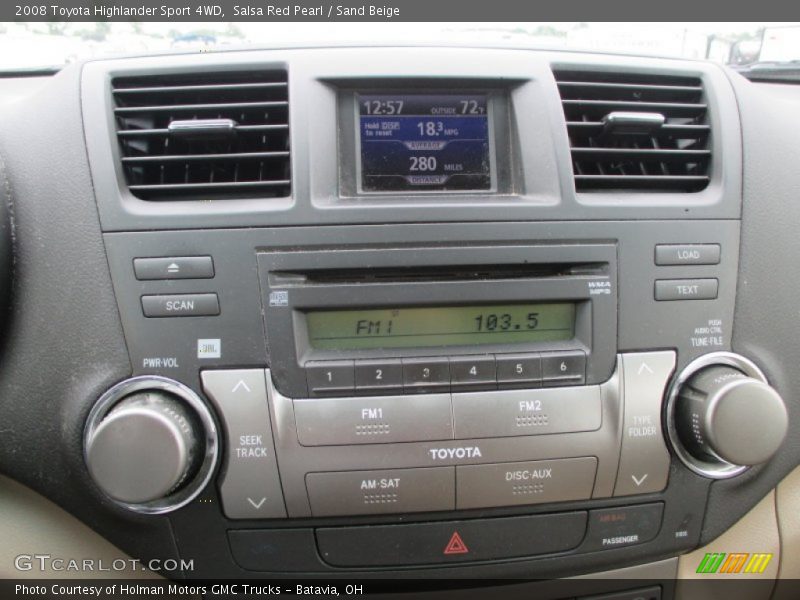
pixel 379 375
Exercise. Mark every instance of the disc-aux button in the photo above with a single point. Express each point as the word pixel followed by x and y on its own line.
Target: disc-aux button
pixel 533 482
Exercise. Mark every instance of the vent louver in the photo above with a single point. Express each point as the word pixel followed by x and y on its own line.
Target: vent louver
pixel 636 132
pixel 204 136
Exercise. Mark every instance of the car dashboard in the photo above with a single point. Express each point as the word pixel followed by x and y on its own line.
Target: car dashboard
pixel 401 312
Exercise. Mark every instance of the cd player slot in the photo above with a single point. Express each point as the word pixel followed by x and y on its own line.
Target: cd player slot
pixel 436 273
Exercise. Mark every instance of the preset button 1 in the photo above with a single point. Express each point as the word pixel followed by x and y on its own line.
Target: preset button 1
pixel 331 377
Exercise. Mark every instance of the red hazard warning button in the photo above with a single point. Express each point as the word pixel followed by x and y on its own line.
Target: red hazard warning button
pixel 450 542
pixel 456 545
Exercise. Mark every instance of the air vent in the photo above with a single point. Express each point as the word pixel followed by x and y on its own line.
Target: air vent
pixel 204 136
pixel 631 132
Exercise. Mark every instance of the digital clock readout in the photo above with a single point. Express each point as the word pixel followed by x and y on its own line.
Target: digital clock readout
pixel 424 142
pixel 440 326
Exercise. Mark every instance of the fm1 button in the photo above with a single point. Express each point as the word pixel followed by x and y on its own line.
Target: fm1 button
pixel 623 526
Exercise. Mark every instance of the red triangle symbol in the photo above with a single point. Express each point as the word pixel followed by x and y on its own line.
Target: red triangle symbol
pixel 456 545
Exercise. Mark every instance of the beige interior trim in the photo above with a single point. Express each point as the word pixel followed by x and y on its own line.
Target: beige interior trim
pixel 788 502
pixel 31 525
pixel 787 497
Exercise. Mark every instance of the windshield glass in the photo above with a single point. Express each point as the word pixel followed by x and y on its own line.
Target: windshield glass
pixel 43 44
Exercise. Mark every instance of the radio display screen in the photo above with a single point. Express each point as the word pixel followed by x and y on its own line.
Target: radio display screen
pixel 440 326
pixel 424 142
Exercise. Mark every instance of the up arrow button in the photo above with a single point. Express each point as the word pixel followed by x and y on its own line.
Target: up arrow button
pixel 241 385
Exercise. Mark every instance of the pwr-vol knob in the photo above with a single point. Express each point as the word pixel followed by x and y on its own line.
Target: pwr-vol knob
pixel 725 416
pixel 150 444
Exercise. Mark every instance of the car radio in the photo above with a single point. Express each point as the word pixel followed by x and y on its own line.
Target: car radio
pixel 357 401
pixel 439 319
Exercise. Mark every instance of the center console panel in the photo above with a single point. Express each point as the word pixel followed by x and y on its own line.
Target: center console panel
pixel 428 345
pixel 330 478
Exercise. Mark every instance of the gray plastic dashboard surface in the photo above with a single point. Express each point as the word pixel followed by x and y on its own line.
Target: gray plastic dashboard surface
pixel 544 186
